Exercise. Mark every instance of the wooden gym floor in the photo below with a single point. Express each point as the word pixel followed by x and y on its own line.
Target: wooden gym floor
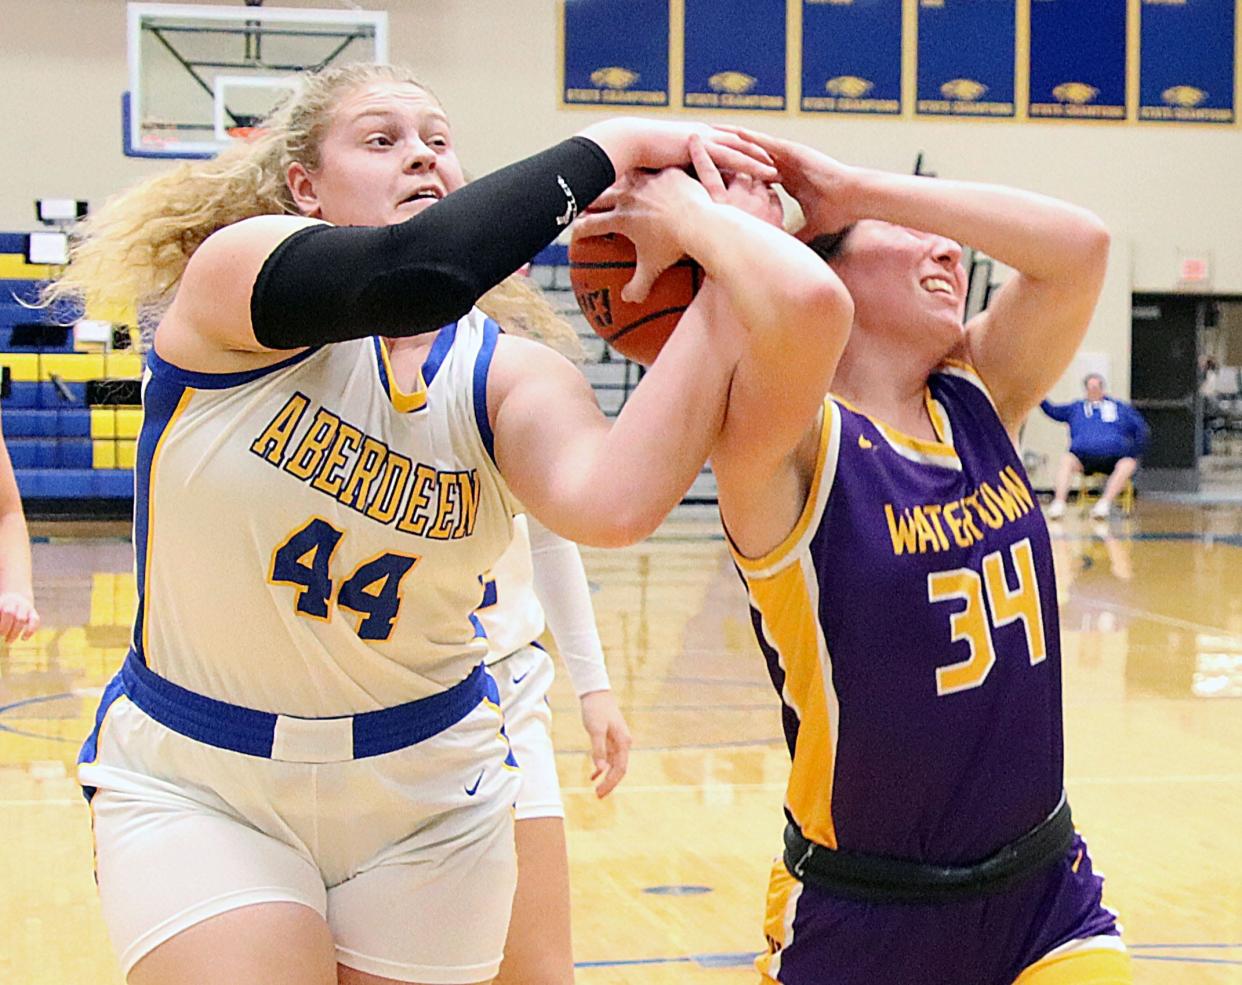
pixel 669 872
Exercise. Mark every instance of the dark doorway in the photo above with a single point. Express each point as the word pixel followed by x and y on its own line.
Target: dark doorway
pixel 1164 386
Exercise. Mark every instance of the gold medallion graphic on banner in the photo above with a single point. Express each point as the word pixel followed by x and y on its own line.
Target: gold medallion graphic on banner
pixel 614 77
pixel 731 81
pixel 1186 96
pixel 967 90
pixel 849 86
pixel 1078 93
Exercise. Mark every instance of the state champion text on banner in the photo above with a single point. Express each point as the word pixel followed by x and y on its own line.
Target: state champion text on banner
pixel 1078 59
pixel 966 55
pixel 734 54
pixel 1186 61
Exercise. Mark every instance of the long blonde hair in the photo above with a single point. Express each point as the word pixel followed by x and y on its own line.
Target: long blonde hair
pixel 133 251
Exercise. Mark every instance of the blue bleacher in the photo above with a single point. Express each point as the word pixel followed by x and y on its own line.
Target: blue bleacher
pixel 47 422
pixel 16 297
pixel 51 453
pixel 47 427
pixel 552 255
pixel 44 395
pixel 24 290
pixel 65 483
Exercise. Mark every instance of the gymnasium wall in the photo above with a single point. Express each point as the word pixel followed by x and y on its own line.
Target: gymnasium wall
pixel 494 64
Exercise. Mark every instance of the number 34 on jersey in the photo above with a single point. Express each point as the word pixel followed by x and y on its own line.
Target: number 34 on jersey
pixel 976 623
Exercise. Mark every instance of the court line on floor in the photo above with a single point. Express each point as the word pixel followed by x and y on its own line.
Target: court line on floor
pixel 1174 621
pixel 689 747
pixel 781 784
pixel 740 959
pixel 23 734
pixel 42 699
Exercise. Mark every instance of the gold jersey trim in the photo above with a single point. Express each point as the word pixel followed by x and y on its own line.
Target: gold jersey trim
pixel 402 402
pixel 816 499
pixel 939 452
pixel 965 371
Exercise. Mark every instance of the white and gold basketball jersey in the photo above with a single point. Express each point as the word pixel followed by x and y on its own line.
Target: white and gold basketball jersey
pixel 511 614
pixel 309 538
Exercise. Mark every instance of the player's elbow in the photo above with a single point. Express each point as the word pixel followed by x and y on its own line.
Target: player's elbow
pixel 1092 241
pixel 626 518
pixel 835 304
pixel 625 526
pixel 825 311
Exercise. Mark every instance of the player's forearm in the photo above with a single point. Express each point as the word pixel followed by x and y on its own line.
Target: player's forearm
pixel 15 564
pixel 331 283
pixel 1042 237
pixel 638 469
pixel 1058 412
pixel 775 283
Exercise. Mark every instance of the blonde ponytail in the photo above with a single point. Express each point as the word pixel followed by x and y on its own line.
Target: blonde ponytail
pixel 520 308
pixel 133 250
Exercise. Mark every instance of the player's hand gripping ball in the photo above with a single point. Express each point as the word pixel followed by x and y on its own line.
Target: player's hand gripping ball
pixel 600 266
pixel 632 301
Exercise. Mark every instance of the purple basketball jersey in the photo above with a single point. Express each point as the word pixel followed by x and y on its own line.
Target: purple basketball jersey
pixel 910 626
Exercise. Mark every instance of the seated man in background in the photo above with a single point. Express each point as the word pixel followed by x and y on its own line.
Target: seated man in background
pixel 1107 437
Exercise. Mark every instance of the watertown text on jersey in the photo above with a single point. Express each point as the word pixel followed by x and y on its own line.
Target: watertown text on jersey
pixel 936 526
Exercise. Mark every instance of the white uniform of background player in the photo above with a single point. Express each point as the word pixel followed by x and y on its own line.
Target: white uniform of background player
pixel 540 579
pixel 538 582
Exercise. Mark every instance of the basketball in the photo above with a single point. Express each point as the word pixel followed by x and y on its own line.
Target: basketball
pixel 600 266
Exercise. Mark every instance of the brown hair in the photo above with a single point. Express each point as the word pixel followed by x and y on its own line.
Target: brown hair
pixel 828 246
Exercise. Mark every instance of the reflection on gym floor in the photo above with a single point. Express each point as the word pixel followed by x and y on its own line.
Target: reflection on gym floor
pixel 670 872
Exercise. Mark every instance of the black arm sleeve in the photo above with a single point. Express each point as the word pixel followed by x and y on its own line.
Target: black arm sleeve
pixel 332 283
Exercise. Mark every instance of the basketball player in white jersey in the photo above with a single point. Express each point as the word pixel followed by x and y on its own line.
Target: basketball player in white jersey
pixel 300 774
pixel 18 617
pixel 540 581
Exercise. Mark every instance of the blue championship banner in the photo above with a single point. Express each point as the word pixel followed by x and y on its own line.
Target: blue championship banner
pixel 1186 61
pixel 851 56
pixel 735 54
pixel 616 52
pixel 966 58
pixel 1078 59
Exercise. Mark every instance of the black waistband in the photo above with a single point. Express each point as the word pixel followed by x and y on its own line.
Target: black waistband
pixel 872 878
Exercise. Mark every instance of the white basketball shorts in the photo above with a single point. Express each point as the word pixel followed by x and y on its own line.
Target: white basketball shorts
pixel 523 679
pixel 407 853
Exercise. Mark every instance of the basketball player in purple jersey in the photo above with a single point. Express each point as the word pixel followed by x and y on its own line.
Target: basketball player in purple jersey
pixel 901 584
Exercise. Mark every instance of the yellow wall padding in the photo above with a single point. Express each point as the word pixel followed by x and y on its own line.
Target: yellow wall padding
pixel 103 454
pixel 13 266
pixel 23 366
pixel 72 367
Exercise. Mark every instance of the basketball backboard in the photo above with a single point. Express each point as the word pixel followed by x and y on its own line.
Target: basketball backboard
pixel 200 76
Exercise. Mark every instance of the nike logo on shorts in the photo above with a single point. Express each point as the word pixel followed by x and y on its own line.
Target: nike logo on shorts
pixel 521 677
pixel 471 791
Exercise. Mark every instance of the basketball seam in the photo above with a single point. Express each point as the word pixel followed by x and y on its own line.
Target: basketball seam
pixel 644 320
pixel 618 264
